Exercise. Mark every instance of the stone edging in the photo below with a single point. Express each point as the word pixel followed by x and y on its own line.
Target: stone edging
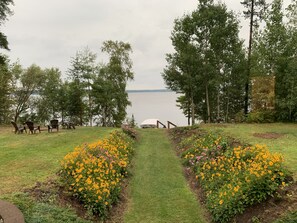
pixel 10 213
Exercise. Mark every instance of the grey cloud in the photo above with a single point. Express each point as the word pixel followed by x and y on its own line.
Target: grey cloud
pixel 49 33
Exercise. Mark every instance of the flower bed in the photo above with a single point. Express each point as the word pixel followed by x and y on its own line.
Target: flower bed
pixel 93 172
pixel 232 178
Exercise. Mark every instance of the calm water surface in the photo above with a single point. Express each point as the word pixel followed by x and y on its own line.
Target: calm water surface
pixel 158 105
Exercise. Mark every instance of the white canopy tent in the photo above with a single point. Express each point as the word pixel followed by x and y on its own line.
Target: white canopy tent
pixel 149 123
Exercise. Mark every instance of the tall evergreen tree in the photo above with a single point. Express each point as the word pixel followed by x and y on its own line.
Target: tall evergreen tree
pixel 5 11
pixel 254 12
pixel 82 72
pixel 276 56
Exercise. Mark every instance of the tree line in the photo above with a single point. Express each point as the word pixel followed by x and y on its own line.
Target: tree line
pixel 218 77
pixel 91 91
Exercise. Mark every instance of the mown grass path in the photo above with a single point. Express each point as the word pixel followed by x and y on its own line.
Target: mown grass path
pixel 158 190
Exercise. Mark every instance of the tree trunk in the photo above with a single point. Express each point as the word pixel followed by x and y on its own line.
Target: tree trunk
pixel 192 109
pixel 218 107
pixel 15 118
pixel 227 109
pixel 291 102
pixel 207 103
pixel 90 104
pixel 104 118
pixel 246 98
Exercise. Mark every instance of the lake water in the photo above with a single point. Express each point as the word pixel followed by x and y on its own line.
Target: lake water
pixel 155 105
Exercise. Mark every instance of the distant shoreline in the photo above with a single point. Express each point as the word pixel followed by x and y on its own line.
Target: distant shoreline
pixel 148 91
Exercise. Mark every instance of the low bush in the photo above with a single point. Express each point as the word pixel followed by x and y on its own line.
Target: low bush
pixel 93 172
pixel 42 211
pixel 233 178
pixel 261 117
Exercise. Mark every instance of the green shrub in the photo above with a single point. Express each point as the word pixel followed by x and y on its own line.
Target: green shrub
pixel 240 117
pixel 261 117
pixel 45 212
pixel 289 218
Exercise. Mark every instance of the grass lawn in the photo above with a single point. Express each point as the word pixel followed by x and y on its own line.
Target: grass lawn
pixel 26 159
pixel 158 189
pixel 286 144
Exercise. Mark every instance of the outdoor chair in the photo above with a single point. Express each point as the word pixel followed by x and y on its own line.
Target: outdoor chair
pixel 71 125
pixel 32 128
pixel 54 124
pixel 18 129
pixel 68 125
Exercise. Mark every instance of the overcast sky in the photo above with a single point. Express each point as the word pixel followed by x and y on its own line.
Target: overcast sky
pixel 49 33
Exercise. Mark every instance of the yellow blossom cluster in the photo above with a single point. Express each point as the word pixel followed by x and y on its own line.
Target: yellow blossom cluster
pixel 240 177
pixel 232 178
pixel 93 172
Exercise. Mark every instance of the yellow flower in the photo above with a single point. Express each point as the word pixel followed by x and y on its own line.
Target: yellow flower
pixel 88 181
pixel 221 202
pixel 236 188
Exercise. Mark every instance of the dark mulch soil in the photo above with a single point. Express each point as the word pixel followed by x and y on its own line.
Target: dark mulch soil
pixel 268 135
pixel 51 190
pixel 283 202
pixel 268 211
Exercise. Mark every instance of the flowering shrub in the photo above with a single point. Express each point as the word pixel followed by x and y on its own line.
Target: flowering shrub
pixel 93 172
pixel 200 149
pixel 233 178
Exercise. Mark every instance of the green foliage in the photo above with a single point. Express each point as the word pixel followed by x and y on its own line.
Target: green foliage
pixel 109 87
pixel 28 82
pixel 49 101
pixel 289 218
pixel 45 212
pixel 199 37
pixel 131 122
pixel 254 12
pixel 275 55
pixel 82 72
pixel 240 117
pixel 6 84
pixel 75 106
pixel 261 117
pixel 4 12
pixel 100 90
